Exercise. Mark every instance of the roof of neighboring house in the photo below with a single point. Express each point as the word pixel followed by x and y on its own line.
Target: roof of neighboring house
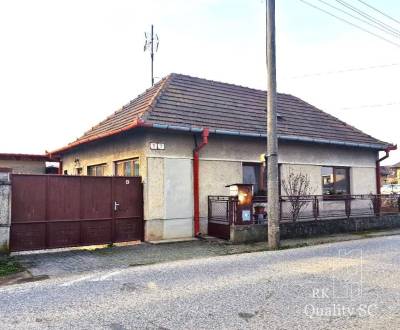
pixel 396 165
pixel 183 102
pixel 384 170
pixel 43 158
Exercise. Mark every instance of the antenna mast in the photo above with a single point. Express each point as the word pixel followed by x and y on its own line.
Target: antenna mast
pixel 149 45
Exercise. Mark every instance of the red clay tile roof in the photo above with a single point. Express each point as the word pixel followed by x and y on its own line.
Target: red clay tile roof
pixel 184 101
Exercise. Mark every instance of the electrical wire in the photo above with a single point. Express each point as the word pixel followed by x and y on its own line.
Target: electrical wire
pixel 372 67
pixel 371 106
pixel 379 11
pixel 367 16
pixel 390 31
pixel 350 23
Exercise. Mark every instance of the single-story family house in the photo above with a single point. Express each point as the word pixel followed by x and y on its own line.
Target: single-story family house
pixel 24 163
pixel 189 138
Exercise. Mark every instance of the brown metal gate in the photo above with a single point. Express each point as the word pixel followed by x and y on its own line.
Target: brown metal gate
pixel 53 211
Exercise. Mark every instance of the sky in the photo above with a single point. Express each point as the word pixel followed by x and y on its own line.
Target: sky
pixel 66 65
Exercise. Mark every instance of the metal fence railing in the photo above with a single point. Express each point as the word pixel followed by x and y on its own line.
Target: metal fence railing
pixel 225 209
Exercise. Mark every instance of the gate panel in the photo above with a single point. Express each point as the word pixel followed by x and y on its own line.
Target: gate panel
pixel 128 214
pixel 29 204
pixel 96 197
pixel 96 232
pixel 63 234
pixel 96 210
pixel 63 199
pixel 28 207
pixel 52 211
pixel 28 236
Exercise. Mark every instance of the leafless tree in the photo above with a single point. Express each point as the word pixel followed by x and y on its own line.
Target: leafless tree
pixel 297 187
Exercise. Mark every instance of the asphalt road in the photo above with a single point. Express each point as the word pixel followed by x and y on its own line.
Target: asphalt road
pixel 341 285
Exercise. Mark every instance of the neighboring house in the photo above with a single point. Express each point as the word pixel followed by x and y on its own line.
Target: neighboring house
pixel 385 175
pixel 390 174
pixel 24 163
pixel 156 136
pixel 396 172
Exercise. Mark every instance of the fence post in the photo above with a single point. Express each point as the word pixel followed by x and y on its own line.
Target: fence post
pixel 232 210
pixel 379 205
pixel 398 203
pixel 347 206
pixel 316 208
pixel 5 209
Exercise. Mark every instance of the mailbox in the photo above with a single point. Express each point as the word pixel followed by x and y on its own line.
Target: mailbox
pixel 244 194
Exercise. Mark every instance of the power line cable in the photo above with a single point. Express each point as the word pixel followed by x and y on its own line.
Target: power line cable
pixel 345 70
pixel 350 23
pixel 369 17
pixel 364 106
pixel 379 11
pixel 392 32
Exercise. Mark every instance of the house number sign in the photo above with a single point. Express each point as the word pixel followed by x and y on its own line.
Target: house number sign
pixel 157 146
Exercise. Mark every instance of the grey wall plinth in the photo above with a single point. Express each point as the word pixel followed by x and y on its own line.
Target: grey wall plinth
pixel 248 233
pixel 5 209
pixel 304 229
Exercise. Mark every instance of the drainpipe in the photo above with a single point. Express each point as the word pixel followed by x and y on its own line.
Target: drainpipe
pixel 378 167
pixel 196 199
pixel 60 167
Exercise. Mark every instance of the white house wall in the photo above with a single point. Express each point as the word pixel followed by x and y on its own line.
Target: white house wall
pixel 168 180
pixel 221 164
pixel 106 151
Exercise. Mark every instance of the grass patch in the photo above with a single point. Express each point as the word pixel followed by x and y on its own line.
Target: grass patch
pixel 367 233
pixel 294 246
pixel 9 266
pixel 363 233
pixel 106 249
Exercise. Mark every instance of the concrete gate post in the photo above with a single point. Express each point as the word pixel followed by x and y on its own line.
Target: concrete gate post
pixel 5 209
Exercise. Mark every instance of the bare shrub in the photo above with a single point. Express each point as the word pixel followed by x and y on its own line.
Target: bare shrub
pixel 297 187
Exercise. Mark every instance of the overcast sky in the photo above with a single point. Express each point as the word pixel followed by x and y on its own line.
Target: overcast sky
pixel 66 65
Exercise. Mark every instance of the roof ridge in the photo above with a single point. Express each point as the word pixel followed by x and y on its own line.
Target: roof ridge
pixel 219 82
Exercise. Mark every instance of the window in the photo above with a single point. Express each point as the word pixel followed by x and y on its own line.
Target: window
pixel 256 174
pixel 335 180
pixel 253 173
pixel 96 170
pixel 128 167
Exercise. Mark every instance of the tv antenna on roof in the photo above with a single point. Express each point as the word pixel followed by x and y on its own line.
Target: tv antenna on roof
pixel 151 43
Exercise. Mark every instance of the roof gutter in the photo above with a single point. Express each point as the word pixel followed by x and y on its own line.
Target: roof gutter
pixel 280 136
pixel 136 123
pixel 142 123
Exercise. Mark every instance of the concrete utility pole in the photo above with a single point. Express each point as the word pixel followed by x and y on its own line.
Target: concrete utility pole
pixel 272 138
